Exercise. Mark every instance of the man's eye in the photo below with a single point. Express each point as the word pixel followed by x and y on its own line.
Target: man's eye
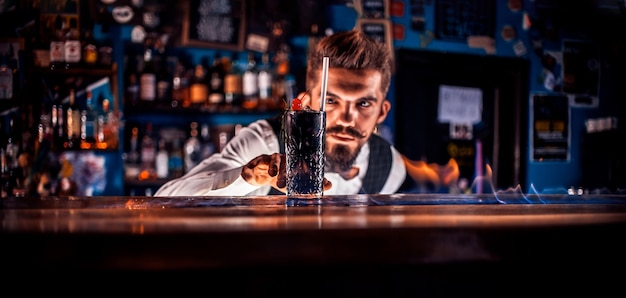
pixel 364 104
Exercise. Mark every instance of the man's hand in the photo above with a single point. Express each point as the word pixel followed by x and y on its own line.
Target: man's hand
pixel 270 169
pixel 266 169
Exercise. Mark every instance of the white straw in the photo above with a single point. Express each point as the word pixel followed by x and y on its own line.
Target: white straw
pixel 324 82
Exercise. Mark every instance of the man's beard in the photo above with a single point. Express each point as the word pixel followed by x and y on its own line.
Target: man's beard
pixel 340 158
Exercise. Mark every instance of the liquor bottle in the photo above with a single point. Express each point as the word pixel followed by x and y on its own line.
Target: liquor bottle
pixel 147 80
pixel 233 84
pixel 57 45
pixel 250 87
pixel 162 161
pixel 207 147
pixel 112 125
pixel 176 164
pixel 101 141
pixel 73 49
pixel 148 154
pixel 131 83
pixel 44 130
pixel 222 140
pixel 216 83
pixel 105 50
pixel 13 176
pixel 164 82
pixel 107 126
pixel 88 120
pixel 180 85
pixel 6 79
pixel 264 83
pixel 90 50
pixel 280 85
pixel 157 64
pixel 191 150
pixel 72 120
pixel 5 176
pixel 198 87
pixel 59 129
pixel 131 160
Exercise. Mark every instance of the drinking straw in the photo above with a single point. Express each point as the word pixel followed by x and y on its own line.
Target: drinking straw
pixel 324 82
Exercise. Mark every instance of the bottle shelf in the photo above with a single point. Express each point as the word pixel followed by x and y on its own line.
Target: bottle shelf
pixel 145 183
pixel 164 107
pixel 77 71
pixel 184 116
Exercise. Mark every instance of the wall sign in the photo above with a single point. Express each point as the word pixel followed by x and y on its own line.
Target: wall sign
pixel 550 128
pixel 378 29
pixel 375 9
pixel 214 24
pixel 460 104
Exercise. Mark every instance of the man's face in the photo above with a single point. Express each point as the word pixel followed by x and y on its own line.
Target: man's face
pixel 354 106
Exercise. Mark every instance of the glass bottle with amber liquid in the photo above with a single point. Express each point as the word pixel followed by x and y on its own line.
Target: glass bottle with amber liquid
pixel 90 50
pixel 233 94
pixel 72 120
pixel 198 87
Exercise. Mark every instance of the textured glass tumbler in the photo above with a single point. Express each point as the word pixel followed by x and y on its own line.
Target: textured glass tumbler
pixel 305 140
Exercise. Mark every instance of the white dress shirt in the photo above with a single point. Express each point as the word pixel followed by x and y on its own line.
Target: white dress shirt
pixel 220 173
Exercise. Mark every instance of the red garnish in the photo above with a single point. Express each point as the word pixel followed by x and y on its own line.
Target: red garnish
pixel 296 104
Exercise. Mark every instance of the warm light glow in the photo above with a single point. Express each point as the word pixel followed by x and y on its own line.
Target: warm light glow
pixel 101 145
pixel 145 175
pixel 85 145
pixel 436 174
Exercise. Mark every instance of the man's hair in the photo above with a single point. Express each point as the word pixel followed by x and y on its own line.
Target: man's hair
pixel 351 50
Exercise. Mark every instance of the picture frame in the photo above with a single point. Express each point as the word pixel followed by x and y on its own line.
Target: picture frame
pixel 12 47
pixel 211 27
pixel 50 9
pixel 374 9
pixel 378 29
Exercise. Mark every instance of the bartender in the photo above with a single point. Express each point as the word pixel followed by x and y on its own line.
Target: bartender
pixel 358 160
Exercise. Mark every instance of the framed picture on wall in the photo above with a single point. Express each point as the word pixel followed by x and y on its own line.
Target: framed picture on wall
pixel 217 24
pixel 374 9
pixel 49 10
pixel 378 29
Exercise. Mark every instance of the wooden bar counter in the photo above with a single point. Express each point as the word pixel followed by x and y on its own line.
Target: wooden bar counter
pixel 363 245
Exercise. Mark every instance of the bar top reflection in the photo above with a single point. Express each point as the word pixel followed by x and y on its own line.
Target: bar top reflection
pixel 139 215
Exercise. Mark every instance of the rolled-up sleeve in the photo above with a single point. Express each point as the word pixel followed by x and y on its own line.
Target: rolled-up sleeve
pixel 220 173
